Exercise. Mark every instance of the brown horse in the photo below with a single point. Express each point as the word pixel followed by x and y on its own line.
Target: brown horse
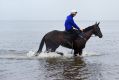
pixel 56 38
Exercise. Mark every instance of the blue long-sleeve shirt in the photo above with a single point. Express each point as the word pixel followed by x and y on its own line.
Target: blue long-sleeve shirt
pixel 69 23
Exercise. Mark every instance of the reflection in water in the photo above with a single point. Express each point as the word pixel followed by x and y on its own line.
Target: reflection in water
pixel 57 68
pixel 71 69
pixel 74 69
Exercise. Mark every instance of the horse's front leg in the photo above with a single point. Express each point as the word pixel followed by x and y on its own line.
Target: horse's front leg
pixel 75 52
pixel 80 52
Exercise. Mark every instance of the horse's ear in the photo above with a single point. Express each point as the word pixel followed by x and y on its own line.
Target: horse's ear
pixel 95 22
pixel 98 23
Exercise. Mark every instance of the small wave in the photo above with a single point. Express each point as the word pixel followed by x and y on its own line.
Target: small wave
pixel 12 57
pixel 13 54
pixel 87 53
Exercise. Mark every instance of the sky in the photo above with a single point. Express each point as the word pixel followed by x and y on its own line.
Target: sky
pixel 58 9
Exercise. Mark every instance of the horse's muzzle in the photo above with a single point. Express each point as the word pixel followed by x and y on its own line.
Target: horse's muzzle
pixel 100 36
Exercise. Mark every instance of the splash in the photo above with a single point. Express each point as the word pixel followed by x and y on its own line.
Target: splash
pixel 54 54
pixel 48 55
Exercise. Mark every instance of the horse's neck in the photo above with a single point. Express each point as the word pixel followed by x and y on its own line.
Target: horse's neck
pixel 88 34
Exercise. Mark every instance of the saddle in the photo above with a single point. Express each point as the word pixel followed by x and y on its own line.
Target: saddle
pixel 76 33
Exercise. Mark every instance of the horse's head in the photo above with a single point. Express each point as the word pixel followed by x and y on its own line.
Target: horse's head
pixel 96 30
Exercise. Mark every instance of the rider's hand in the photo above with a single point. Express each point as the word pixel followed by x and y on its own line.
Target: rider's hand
pixel 81 30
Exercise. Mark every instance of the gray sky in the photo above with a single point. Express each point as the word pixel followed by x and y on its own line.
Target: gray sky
pixel 58 9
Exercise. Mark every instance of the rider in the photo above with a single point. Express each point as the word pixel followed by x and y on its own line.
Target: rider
pixel 70 24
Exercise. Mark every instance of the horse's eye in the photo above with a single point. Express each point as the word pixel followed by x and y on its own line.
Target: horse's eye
pixel 97 28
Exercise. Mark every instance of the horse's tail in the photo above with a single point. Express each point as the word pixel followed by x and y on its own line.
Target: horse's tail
pixel 41 45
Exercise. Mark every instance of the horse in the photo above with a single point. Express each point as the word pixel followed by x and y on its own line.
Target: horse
pixel 56 38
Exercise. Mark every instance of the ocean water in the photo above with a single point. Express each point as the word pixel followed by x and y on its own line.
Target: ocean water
pixel 19 40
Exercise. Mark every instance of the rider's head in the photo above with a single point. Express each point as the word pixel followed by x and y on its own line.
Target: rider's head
pixel 73 12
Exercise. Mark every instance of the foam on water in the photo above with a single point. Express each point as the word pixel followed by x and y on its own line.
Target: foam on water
pixel 54 54
pixel 66 53
pixel 47 55
pixel 31 54
pixel 87 53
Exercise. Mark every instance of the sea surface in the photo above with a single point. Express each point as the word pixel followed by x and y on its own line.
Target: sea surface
pixel 19 40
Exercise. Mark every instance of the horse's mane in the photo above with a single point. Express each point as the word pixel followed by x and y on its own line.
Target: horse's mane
pixel 88 28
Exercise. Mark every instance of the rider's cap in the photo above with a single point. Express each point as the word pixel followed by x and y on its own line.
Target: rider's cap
pixel 73 11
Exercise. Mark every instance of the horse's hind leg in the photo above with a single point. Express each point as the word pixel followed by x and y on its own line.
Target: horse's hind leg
pixel 54 47
pixel 51 48
pixel 48 50
pixel 60 53
pixel 48 47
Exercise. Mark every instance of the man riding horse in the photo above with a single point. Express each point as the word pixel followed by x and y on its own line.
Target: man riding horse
pixel 70 38
pixel 70 24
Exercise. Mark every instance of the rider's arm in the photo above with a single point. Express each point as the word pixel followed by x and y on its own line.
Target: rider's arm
pixel 74 24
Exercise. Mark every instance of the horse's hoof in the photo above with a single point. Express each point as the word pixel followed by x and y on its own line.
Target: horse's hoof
pixel 36 54
pixel 60 53
pixel 75 55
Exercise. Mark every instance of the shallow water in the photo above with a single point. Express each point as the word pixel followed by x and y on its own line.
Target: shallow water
pixel 20 39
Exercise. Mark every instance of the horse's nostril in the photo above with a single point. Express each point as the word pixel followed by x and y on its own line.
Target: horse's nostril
pixel 101 36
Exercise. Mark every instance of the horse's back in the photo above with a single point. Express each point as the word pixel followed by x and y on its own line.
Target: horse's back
pixel 56 32
pixel 54 35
